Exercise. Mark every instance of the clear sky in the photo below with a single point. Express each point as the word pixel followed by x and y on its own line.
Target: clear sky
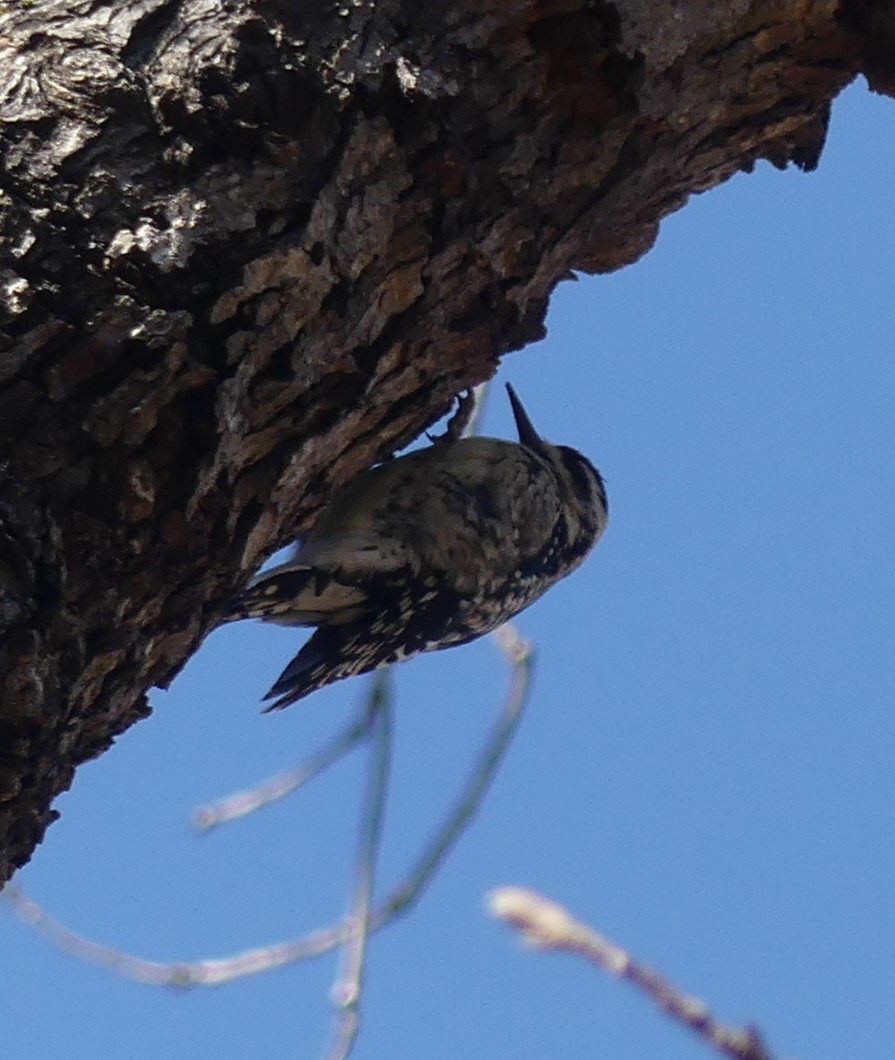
pixel 705 772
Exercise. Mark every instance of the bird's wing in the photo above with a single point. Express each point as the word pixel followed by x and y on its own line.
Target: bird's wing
pixel 295 594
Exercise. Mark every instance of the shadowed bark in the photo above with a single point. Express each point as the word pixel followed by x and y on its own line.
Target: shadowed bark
pixel 250 248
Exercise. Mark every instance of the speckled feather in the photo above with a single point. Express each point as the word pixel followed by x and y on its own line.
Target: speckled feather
pixel 429 550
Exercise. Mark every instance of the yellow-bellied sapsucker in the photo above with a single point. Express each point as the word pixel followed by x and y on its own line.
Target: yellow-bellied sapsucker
pixel 428 550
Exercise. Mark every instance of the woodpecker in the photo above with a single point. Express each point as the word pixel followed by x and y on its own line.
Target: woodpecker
pixel 429 550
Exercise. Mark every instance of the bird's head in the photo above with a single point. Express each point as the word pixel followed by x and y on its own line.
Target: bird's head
pixel 582 486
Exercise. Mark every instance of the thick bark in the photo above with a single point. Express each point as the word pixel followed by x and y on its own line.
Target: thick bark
pixel 248 249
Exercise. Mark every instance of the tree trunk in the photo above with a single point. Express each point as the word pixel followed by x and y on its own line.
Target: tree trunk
pixel 250 248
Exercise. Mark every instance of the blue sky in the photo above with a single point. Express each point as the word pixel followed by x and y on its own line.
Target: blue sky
pixel 705 772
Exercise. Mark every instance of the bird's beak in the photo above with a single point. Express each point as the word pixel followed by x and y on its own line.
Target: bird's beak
pixel 528 436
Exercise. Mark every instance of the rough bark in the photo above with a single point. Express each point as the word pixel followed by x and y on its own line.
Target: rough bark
pixel 250 248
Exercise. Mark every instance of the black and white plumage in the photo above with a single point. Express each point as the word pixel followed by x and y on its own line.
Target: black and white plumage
pixel 429 550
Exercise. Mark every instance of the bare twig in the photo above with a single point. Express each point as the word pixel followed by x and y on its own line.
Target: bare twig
pixel 214 971
pixel 240 803
pixel 546 925
pixel 519 654
pixel 475 413
pixel 346 991
pixel 207 972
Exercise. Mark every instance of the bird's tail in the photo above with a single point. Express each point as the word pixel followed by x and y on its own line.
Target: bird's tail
pixel 332 653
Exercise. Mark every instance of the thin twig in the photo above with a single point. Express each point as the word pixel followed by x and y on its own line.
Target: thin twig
pixel 240 803
pixel 214 971
pixel 346 992
pixel 546 925
pixel 478 407
pixel 211 971
pixel 520 655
